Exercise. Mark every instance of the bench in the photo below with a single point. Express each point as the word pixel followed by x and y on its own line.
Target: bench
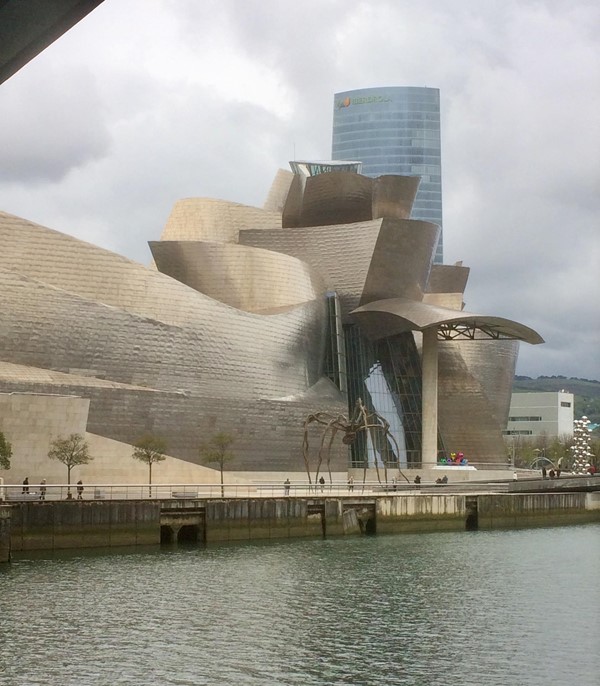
pixel 183 495
pixel 22 496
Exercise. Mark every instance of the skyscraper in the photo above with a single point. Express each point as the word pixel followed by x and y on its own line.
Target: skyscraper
pixel 394 130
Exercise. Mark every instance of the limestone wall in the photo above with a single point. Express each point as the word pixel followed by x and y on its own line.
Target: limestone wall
pixel 30 423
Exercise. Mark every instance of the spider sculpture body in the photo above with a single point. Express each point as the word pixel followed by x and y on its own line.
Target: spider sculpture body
pixel 361 420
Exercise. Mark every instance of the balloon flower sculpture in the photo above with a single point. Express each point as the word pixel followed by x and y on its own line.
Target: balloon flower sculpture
pixel 455 459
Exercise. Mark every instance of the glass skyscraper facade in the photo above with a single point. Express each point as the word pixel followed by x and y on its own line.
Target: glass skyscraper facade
pixel 394 130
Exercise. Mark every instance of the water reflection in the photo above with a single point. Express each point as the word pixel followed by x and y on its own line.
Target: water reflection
pixel 501 608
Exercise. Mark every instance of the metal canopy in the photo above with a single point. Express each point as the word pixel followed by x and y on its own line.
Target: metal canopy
pixel 411 315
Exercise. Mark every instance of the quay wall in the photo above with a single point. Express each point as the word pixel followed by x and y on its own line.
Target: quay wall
pixel 81 524
pixel 4 533
pixel 87 524
pixel 518 510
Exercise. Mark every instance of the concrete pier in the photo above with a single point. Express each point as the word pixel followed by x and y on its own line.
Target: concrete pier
pixel 88 524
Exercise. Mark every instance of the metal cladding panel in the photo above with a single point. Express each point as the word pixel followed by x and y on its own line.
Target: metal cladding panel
pixel 493 364
pixel 293 203
pixel 468 417
pixel 346 197
pixel 401 260
pixel 236 353
pixel 250 279
pixel 205 219
pixel 97 274
pixel 279 190
pixel 445 278
pixel 336 198
pixel 393 196
pixel 268 433
pixel 341 254
pixel 16 373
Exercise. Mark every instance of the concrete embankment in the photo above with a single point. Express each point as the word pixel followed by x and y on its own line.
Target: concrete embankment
pixel 87 524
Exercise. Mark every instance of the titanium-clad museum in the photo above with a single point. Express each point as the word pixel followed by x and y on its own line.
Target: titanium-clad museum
pixel 250 319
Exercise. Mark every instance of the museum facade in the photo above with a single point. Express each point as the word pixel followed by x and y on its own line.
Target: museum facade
pixel 252 319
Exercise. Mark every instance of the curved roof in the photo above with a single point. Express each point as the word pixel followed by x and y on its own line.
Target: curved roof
pixel 394 315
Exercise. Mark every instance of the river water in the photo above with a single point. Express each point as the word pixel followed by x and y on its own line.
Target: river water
pixel 502 608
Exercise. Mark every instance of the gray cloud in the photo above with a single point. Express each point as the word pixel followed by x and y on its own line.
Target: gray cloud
pixel 144 103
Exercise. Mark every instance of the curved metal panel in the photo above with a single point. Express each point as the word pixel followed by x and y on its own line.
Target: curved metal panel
pixel 278 192
pixel 475 379
pixel 293 203
pixel 446 278
pixel 236 353
pixel 393 196
pixel 205 219
pixel 250 279
pixel 336 198
pixel 401 260
pixel 341 254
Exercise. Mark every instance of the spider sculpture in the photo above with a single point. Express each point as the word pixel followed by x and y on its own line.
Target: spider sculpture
pixel 361 420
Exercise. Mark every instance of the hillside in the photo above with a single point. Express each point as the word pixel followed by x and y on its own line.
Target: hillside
pixel 586 392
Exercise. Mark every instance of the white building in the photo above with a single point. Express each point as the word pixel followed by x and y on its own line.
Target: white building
pixel 536 414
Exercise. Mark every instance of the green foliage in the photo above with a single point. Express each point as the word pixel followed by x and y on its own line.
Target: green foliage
pixel 5 452
pixel 216 450
pixel 527 449
pixel 71 451
pixel 149 449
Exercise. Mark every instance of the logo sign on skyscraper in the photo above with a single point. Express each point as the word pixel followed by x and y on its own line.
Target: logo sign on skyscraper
pixel 346 102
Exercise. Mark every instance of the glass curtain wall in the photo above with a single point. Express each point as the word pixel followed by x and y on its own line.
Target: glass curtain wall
pixel 386 376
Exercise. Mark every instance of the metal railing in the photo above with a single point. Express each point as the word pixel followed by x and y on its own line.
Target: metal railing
pixel 270 489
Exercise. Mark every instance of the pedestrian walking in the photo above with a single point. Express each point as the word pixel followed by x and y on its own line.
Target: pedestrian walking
pixel 26 485
pixel 350 483
pixel 80 490
pixel 43 489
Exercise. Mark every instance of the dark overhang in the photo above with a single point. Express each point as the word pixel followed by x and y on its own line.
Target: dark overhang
pixel 395 315
pixel 29 26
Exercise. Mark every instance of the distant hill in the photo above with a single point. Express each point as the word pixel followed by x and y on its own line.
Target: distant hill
pixel 586 392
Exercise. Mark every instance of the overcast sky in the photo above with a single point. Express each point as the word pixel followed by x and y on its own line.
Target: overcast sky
pixel 148 101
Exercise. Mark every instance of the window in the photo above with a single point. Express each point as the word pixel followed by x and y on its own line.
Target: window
pixel 564 404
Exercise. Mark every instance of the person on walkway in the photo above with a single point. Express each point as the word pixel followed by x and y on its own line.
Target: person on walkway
pixel 559 466
pixel 26 485
pixel 544 472
pixel 445 479
pixel 322 482
pixel 80 490
pixel 286 487
pixel 350 483
pixel 43 489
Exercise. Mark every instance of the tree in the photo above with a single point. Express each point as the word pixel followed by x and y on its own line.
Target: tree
pixel 71 451
pixel 5 452
pixel 217 450
pixel 149 449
